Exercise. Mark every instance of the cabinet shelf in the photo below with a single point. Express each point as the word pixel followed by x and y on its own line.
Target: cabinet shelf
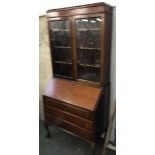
pixel 63 62
pixel 89 48
pixel 89 82
pixel 62 76
pixel 62 47
pixel 87 65
pixel 59 30
pixel 93 29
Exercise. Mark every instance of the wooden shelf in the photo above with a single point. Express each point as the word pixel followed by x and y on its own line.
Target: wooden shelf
pixel 88 82
pixel 59 30
pixel 87 65
pixel 95 29
pixel 63 62
pixel 62 47
pixel 62 76
pixel 89 48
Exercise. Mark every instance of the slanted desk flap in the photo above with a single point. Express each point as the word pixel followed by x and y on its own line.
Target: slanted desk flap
pixel 73 93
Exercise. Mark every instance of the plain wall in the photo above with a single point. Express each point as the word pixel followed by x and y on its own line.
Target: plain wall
pixel 45 68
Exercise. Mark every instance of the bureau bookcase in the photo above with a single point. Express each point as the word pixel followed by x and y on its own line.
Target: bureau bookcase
pixel 76 99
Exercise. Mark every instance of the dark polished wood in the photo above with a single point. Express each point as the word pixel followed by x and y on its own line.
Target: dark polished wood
pixel 74 49
pixel 83 9
pixel 82 6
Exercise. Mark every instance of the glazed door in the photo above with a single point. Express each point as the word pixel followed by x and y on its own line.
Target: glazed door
pixel 60 37
pixel 88 31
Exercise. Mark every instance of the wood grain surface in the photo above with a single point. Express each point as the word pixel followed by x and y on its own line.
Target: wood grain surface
pixel 73 93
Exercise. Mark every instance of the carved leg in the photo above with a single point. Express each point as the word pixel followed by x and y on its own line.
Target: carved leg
pixel 48 135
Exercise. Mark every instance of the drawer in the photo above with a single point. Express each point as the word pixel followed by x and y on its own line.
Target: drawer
pixel 83 133
pixel 68 108
pixel 69 117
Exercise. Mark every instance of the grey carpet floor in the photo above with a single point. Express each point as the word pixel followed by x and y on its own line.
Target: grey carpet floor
pixel 62 143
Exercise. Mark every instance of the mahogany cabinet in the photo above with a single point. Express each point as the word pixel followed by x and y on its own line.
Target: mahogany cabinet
pixel 77 98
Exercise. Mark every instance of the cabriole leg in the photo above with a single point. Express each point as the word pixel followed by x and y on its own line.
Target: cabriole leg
pixel 48 135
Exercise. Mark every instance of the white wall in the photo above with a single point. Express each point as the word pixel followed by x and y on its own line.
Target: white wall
pixel 45 66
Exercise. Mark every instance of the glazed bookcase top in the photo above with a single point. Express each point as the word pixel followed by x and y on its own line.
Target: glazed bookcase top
pixel 80 40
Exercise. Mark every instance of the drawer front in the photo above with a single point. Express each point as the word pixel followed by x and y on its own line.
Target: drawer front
pixel 68 108
pixel 69 117
pixel 84 133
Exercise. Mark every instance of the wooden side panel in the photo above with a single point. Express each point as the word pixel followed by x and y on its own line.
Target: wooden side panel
pixel 106 107
pixel 102 112
pixel 107 48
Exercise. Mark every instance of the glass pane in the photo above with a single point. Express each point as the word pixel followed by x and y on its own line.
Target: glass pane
pixel 88 48
pixel 88 57
pixel 60 33
pixel 61 50
pixel 61 54
pixel 88 73
pixel 62 70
